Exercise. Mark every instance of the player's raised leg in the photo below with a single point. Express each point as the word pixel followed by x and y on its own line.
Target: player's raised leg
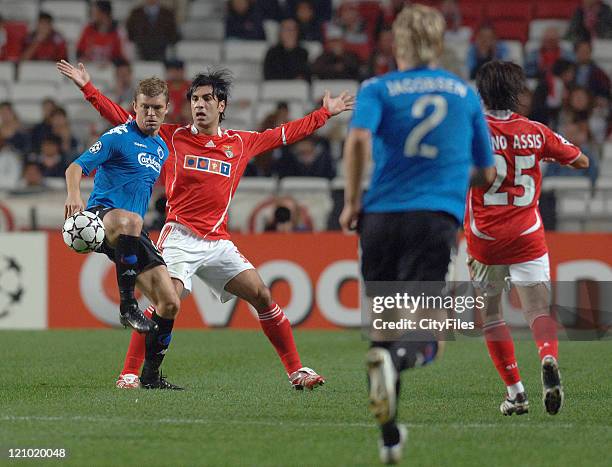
pixel 123 230
pixel 158 287
pixel 249 286
pixel 535 301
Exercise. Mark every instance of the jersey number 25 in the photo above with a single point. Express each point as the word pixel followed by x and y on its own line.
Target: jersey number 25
pixel 494 197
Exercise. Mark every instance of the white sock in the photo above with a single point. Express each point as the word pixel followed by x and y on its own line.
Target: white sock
pixel 514 389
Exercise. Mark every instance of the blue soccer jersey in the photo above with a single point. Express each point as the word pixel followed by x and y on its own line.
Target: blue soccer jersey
pixel 428 129
pixel 128 163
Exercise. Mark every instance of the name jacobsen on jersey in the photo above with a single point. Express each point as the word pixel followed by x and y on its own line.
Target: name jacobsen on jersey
pixel 424 85
pixel 521 141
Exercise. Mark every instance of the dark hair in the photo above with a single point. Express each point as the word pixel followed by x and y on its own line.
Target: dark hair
pixel 500 84
pixel 219 79
pixel 121 62
pixel 174 64
pixel 44 15
pixel 54 139
pixel 105 7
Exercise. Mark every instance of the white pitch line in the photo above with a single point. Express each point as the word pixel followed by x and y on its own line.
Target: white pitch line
pixel 203 421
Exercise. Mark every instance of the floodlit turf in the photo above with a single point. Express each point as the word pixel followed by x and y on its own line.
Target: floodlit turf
pixel 57 390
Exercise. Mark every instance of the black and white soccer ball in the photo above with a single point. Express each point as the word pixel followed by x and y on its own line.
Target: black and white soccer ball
pixel 11 284
pixel 83 232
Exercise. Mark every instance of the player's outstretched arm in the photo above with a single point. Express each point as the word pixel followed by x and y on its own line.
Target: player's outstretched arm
pixel 357 152
pixel 581 163
pixel 79 75
pixel 74 202
pixel 337 105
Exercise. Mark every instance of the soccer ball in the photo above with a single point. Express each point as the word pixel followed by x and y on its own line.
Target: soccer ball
pixel 83 232
pixel 11 284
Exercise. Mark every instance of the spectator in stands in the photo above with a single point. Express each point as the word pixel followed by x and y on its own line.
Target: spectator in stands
pixel 452 15
pixel 11 39
pixel 539 62
pixel 42 128
pixel 551 91
pixel 287 59
pixel 309 157
pixel 580 108
pixel 33 180
pixel 485 48
pixel 388 13
pixel 60 128
pixel 101 40
pixel 591 20
pixel 262 165
pixel 244 21
pixel 336 62
pixel 588 74
pixel 382 60
pixel 286 217
pixel 123 92
pixel 178 86
pixel 178 7
pixel 44 43
pixel 153 29
pixel 10 166
pixel 354 29
pixel 309 23
pixel 50 157
pixel 12 131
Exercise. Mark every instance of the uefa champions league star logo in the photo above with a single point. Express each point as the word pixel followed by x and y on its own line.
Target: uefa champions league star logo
pixel 11 288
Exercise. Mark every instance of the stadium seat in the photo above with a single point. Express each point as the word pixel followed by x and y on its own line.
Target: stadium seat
pixel 253 51
pixel 314 49
pixel 4 93
pixel 511 29
pixel 572 195
pixel 70 29
pixel 515 52
pixel 538 26
pixel 192 68
pixel 7 73
pixel 605 166
pixel 203 30
pixel 122 9
pixel 280 90
pixel 532 45
pixel 206 9
pixel 335 87
pixel 68 92
pixel 32 92
pixel 243 99
pixel 38 72
pixel 271 28
pixel 244 71
pixel 203 51
pixel 102 75
pixel 499 9
pixel 602 50
pixel 19 10
pixel 83 111
pixel 562 9
pixel 68 9
pixel 144 69
pixel 472 13
pixel 29 113
pixel 311 192
pixel 251 192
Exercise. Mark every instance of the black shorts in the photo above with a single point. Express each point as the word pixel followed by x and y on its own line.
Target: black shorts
pixel 148 254
pixel 406 246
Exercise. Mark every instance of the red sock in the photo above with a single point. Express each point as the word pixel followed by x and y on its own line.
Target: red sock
pixel 277 328
pixel 501 349
pixel 136 350
pixel 544 330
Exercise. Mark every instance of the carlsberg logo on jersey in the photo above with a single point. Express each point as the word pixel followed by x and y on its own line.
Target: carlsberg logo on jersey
pixel 148 160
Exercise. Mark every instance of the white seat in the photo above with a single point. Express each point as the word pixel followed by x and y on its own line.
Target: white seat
pixel 204 51
pixel 244 71
pixel 32 92
pixel 279 90
pixel 605 166
pixel 7 72
pixel 311 192
pixel 144 70
pixel 28 112
pixel 20 10
pixel 205 9
pixel 244 98
pixel 193 68
pixel 69 28
pixel 102 75
pixel 250 51
pixel 532 45
pixel 271 28
pixel 602 50
pixel 335 87
pixel 66 9
pixel 566 184
pixel 245 90
pixel 203 29
pixel 83 111
pixel 35 71
pixel 515 51
pixel 4 93
pixel 68 92
pixel 251 193
pixel 314 48
pixel 122 9
pixel 538 26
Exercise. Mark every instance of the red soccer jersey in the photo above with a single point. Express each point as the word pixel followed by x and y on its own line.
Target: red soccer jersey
pixel 502 222
pixel 99 46
pixel 202 172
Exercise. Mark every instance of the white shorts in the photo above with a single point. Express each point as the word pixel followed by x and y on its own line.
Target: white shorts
pixel 215 262
pixel 494 278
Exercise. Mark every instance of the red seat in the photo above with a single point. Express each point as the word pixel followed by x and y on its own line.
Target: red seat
pixel 519 10
pixel 471 14
pixel 511 29
pixel 556 9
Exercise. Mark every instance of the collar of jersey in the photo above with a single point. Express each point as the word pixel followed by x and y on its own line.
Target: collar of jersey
pixel 500 114
pixel 194 131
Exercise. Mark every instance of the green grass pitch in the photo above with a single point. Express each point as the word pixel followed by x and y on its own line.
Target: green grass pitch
pixel 57 390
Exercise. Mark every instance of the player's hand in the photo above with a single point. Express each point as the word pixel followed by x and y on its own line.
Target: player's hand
pixel 74 203
pixel 349 217
pixel 336 105
pixel 79 76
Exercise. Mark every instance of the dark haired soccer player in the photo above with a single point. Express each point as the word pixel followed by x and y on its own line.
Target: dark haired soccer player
pixel 128 160
pixel 206 163
pixel 505 234
pixel 424 128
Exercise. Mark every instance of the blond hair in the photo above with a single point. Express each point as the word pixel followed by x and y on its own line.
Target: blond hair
pixel 418 32
pixel 152 87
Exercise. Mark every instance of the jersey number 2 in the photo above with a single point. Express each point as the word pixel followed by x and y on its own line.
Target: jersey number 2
pixel 493 197
pixel 413 146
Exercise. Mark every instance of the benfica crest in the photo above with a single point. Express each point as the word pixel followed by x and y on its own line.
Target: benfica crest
pixel 228 151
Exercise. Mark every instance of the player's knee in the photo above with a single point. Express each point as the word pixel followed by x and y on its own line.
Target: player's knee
pixel 129 224
pixel 170 307
pixel 262 299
